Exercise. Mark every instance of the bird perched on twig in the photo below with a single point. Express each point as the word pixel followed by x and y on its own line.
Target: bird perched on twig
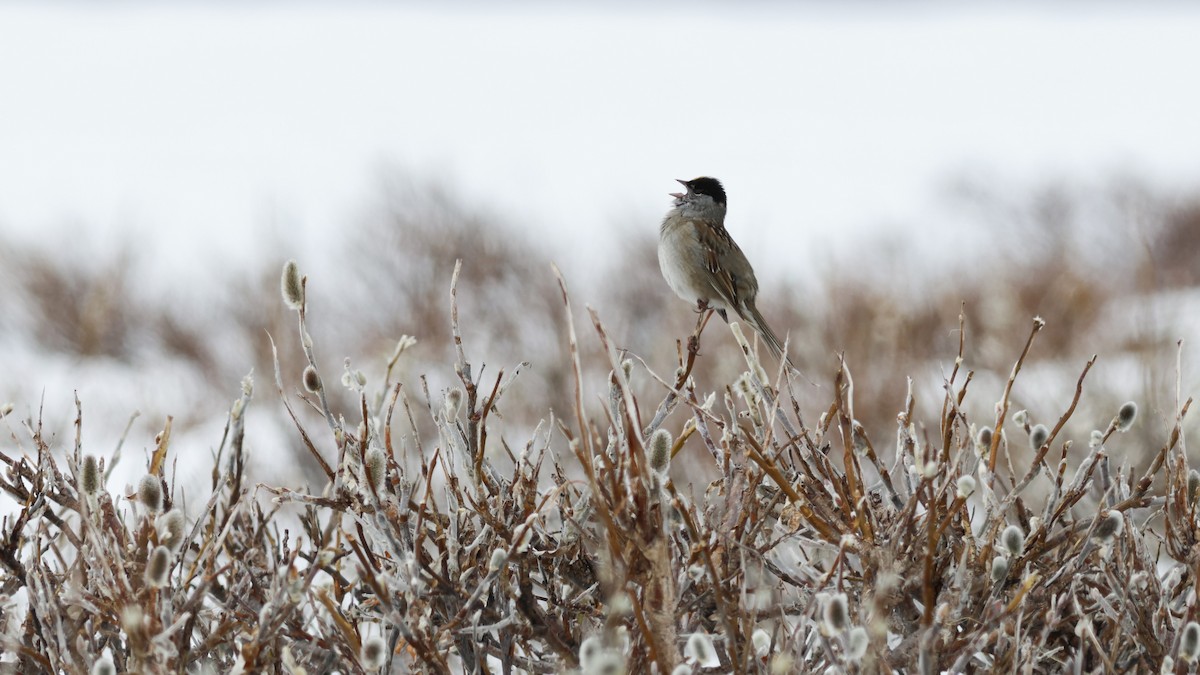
pixel 702 263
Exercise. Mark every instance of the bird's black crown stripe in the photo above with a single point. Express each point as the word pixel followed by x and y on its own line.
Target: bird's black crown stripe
pixel 708 186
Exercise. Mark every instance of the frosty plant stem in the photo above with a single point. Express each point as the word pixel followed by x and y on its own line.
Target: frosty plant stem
pixel 993 452
pixel 686 364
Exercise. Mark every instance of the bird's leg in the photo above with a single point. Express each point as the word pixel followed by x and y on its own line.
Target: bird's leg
pixel 702 306
pixel 693 342
pixel 705 314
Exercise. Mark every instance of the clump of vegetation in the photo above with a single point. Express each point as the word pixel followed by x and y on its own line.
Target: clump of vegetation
pixel 436 543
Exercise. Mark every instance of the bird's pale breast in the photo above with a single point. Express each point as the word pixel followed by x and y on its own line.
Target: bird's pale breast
pixel 684 261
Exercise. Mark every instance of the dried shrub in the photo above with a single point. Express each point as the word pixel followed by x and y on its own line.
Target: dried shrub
pixel 819 545
pixel 75 304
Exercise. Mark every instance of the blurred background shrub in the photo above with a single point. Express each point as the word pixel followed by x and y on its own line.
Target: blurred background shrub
pixel 1112 270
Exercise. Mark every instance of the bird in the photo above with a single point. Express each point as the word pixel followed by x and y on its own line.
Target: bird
pixel 703 264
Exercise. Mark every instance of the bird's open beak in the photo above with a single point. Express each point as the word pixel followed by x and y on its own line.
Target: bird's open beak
pixel 681 195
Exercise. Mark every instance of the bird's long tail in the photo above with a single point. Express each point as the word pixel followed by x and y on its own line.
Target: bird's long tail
pixel 756 320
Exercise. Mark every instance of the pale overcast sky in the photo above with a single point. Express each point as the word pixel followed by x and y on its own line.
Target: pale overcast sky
pixel 192 124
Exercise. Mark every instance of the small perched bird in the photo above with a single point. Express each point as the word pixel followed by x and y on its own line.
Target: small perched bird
pixel 702 263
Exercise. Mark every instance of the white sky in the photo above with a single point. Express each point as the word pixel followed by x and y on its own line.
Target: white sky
pixel 191 125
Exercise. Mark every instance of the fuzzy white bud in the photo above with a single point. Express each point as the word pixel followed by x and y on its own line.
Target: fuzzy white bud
pixel 170 528
pixel 376 468
pixel 1110 526
pixel 1126 416
pixel 498 560
pixel 700 649
pixel 836 614
pixel 984 439
pixel 589 647
pixel 1013 540
pixel 856 643
pixel 150 493
pixel 966 486
pixel 89 475
pixel 374 653
pixel 291 286
pixel 312 381
pixel 589 650
pixel 157 567
pixel 1189 642
pixel 999 568
pixel 660 451
pixel 1096 439
pixel 1021 418
pixel 1038 436
pixel 606 662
